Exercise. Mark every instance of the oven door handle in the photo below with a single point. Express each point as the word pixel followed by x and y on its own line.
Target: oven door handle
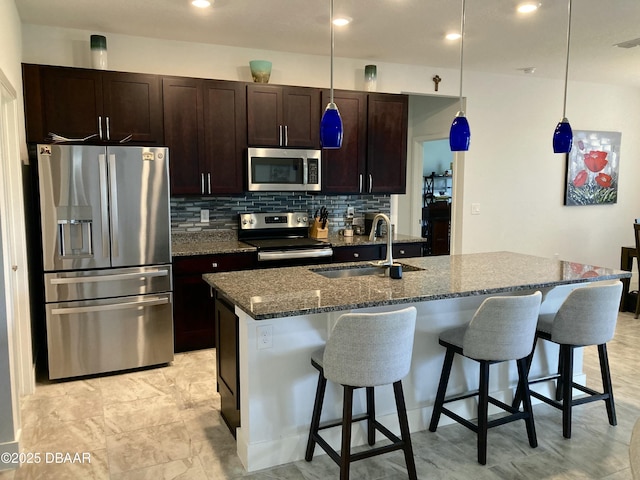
pixel 294 254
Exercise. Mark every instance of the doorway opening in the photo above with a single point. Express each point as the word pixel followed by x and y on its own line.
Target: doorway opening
pixel 437 195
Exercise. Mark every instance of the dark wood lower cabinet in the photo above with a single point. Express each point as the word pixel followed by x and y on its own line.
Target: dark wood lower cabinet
pixel 193 306
pixel 228 378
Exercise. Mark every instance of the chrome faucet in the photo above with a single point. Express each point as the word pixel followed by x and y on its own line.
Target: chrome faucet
pixel 388 261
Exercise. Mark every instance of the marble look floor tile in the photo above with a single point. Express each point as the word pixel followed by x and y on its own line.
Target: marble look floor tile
pixel 82 435
pixel 96 469
pixel 62 408
pixel 220 462
pixel 134 386
pixel 185 469
pixel 137 414
pixel 7 474
pixel 148 446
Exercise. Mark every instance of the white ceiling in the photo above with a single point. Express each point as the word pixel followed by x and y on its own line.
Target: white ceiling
pixel 497 39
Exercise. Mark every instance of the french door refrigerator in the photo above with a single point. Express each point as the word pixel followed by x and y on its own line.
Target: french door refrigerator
pixel 106 257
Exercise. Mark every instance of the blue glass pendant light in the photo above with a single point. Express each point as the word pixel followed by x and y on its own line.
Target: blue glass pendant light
pixel 460 134
pixel 331 122
pixel 563 135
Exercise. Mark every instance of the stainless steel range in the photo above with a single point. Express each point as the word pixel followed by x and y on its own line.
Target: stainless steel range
pixel 282 239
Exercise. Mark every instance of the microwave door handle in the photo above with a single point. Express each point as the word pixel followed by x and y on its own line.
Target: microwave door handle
pixel 305 171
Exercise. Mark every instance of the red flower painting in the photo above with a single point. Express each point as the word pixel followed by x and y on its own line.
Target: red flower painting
pixel 592 173
pixel 603 180
pixel 595 160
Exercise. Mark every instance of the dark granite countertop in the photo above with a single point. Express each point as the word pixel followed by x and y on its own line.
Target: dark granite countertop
pixel 282 292
pixel 185 244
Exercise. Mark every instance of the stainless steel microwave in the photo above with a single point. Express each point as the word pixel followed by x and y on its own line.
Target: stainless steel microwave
pixel 284 169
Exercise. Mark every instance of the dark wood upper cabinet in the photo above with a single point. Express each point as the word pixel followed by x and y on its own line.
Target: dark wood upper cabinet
pixel 184 133
pixel 343 169
pixel 387 121
pixel 205 130
pixel 76 103
pixel 279 116
pixel 373 156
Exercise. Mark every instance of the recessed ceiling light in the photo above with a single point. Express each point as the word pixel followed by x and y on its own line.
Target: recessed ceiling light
pixel 201 3
pixel 341 21
pixel 528 7
pixel 452 36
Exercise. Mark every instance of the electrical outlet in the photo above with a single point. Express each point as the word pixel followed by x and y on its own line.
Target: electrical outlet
pixel 475 209
pixel 264 336
pixel 204 215
pixel 350 212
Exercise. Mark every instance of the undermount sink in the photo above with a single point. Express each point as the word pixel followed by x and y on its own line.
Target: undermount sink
pixel 359 271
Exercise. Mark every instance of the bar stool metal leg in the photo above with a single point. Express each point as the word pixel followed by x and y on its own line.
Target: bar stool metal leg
pixel 442 389
pixel 347 413
pixel 315 418
pixel 404 430
pixel 483 414
pixel 567 388
pixel 371 414
pixel 605 372
pixel 523 384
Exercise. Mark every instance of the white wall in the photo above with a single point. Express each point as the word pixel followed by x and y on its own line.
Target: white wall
pixel 510 168
pixel 10 39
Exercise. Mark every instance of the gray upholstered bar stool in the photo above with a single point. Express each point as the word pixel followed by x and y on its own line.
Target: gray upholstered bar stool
pixel 502 329
pixel 365 350
pixel 588 316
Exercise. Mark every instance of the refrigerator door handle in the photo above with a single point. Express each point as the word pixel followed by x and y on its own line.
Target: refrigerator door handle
pixel 113 306
pixel 113 190
pixel 108 278
pixel 104 201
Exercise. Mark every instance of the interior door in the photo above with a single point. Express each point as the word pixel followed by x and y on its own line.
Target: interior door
pixel 139 205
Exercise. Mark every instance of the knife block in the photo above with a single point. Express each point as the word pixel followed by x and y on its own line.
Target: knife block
pixel 316 230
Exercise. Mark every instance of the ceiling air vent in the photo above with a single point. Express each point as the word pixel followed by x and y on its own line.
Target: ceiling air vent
pixel 628 43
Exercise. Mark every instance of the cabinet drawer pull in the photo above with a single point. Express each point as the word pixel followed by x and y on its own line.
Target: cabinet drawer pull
pixel 214 265
pixel 401 252
pixel 356 255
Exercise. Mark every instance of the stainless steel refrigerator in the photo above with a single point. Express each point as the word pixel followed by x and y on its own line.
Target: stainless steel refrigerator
pixel 106 257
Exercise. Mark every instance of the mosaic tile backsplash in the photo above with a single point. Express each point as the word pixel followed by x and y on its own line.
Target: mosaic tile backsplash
pixel 223 211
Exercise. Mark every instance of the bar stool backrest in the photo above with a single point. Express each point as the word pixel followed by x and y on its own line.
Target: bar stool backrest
pixel 370 349
pixel 588 316
pixel 503 328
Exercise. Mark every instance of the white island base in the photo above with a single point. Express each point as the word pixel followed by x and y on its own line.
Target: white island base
pixel 278 383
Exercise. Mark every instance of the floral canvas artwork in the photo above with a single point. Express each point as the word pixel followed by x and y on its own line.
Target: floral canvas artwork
pixel 592 168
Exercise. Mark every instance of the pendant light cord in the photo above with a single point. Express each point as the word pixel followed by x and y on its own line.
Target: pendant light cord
pixel 332 46
pixel 461 49
pixel 566 70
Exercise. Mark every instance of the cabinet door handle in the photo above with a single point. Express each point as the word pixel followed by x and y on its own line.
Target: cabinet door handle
pixel 360 183
pixel 202 183
pixel 286 135
pixel 280 135
pixel 108 132
pixel 100 127
pixel 356 255
pixel 370 183
pixel 209 182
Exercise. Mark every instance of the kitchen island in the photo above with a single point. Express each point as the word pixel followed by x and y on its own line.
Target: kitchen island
pixel 285 314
